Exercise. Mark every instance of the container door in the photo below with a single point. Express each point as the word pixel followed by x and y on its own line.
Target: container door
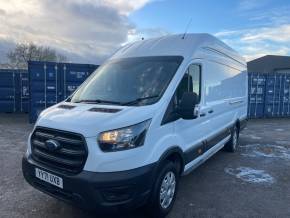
pixel 287 95
pixel 37 91
pixel 24 92
pixel 256 95
pixel 284 92
pixel 73 76
pixel 273 95
pixel 51 83
pixel 284 96
pixel 7 92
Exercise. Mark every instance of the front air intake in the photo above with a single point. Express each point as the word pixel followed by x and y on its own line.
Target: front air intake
pixel 105 110
pixel 66 106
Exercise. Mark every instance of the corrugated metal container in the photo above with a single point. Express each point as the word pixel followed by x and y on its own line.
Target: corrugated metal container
pixel 14 96
pixel 284 92
pixel 7 91
pixel 52 82
pixel 24 91
pixel 256 94
pixel 277 95
pixel 269 94
pixel 286 95
pixel 273 95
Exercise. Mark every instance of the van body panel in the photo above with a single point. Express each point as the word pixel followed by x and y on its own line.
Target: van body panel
pixel 95 122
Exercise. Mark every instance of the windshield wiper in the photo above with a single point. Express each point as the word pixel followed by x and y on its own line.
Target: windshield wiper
pixel 97 101
pixel 137 100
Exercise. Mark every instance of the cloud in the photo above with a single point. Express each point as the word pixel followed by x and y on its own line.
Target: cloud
pixel 137 34
pixel 85 30
pixel 267 30
pixel 4 47
pixel 257 42
pixel 245 5
pixel 267 16
pixel 274 34
pixel 125 6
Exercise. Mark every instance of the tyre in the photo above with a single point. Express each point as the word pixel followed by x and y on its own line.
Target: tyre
pixel 232 145
pixel 164 191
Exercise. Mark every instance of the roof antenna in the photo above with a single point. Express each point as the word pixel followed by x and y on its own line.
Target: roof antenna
pixel 186 28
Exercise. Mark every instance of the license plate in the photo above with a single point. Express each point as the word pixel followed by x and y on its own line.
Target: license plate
pixel 48 177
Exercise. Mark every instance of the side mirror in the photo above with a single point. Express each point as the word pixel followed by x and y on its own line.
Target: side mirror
pixel 187 105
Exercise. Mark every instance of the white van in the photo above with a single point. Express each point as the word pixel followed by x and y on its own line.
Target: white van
pixel 154 111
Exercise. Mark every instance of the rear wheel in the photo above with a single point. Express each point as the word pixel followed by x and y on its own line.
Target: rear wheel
pixel 232 145
pixel 164 191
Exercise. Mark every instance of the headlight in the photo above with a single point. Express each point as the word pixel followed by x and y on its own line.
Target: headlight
pixel 124 138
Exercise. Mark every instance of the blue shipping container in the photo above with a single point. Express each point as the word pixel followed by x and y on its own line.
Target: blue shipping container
pixel 51 83
pixel 277 95
pixel 24 91
pixel 269 95
pixel 14 95
pixel 256 94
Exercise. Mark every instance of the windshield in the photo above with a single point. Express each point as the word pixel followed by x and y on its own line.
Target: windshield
pixel 138 81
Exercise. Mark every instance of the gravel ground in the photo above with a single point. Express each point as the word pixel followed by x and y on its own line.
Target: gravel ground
pixel 253 182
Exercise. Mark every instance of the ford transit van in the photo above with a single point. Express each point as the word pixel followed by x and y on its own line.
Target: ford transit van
pixel 153 112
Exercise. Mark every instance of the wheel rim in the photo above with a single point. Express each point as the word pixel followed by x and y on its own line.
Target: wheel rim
pixel 167 190
pixel 235 138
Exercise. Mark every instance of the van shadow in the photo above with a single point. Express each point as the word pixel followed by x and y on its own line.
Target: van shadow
pixel 137 213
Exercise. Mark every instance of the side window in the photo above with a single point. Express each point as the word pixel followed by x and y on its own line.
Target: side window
pixel 190 82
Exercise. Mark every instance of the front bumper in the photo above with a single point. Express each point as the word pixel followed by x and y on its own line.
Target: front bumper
pixel 90 190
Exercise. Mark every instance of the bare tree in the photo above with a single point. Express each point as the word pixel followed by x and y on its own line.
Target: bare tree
pixel 24 52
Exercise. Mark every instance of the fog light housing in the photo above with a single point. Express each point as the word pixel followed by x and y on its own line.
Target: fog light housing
pixel 118 194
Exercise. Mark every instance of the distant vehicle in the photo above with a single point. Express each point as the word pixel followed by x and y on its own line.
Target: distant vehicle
pixel 154 111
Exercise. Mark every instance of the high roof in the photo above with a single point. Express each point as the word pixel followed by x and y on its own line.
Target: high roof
pixel 187 47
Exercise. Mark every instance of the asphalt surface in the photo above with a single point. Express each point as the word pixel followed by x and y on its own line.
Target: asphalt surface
pixel 253 182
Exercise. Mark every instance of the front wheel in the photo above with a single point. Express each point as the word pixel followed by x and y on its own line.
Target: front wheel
pixel 164 191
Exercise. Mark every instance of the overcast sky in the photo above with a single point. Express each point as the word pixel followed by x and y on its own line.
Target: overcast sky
pixel 88 31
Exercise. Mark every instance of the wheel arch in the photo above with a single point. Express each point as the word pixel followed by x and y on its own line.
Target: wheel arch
pixel 173 154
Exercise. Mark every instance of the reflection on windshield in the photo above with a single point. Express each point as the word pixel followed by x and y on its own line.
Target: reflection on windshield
pixel 139 81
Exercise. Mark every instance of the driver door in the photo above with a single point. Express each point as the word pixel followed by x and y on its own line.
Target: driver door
pixel 192 132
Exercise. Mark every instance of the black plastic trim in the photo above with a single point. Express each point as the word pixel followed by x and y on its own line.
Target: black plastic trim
pixel 194 152
pixel 66 106
pixel 204 146
pixel 105 110
pixel 217 138
pixel 92 190
pixel 52 160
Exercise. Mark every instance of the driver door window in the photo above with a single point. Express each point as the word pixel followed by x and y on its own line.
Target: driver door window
pixel 190 82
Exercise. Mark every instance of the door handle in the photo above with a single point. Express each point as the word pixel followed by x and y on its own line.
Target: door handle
pixel 202 114
pixel 236 102
pixel 210 111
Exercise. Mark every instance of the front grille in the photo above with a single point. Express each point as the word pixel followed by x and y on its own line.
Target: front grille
pixel 71 156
